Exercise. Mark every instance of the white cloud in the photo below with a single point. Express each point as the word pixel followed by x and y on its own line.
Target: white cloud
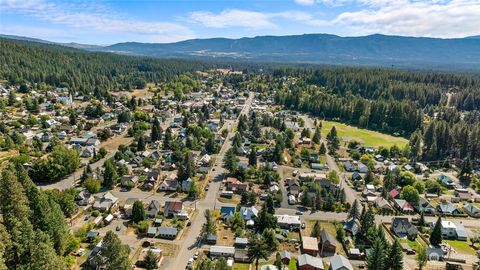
pixel 305 2
pixel 93 16
pixel 232 18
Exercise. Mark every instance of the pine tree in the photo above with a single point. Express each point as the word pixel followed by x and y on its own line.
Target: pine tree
pixel 354 212
pixel 278 261
pixel 257 249
pixel 138 212
pixel 395 257
pixel 316 136
pixel 316 230
pixel 167 139
pixel 156 131
pixel 376 257
pixel 252 157
pixel 436 234
pixel 323 149
pixel 110 174
pixel 141 143
pixel 114 255
pixel 151 260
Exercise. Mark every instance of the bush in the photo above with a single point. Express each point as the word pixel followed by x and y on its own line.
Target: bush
pixel 92 185
pixel 142 226
pixel 95 213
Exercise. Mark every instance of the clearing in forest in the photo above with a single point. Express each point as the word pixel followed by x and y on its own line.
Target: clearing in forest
pixel 364 136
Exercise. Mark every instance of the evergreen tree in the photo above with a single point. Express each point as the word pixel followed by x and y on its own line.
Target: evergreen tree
pixel 323 149
pixel 141 143
pixel 252 157
pixel 278 261
pixel 333 140
pixel 167 139
pixel 187 168
pixel 354 212
pixel 394 261
pixel 110 174
pixel 211 145
pixel 316 136
pixel 377 256
pixel 138 212
pixel 257 249
pixel 156 131
pixel 151 260
pixel 422 257
pixel 316 230
pixel 269 205
pixel 114 255
pixel 436 234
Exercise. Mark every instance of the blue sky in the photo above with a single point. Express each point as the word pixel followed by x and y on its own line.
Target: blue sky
pixel 112 21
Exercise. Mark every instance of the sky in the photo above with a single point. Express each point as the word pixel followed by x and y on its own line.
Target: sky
pixel 105 22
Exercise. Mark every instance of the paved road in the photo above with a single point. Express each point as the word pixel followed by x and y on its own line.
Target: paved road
pixel 190 240
pixel 351 195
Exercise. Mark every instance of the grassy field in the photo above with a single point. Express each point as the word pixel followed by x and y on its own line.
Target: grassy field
pixel 241 266
pixel 364 136
pixel 415 245
pixel 461 247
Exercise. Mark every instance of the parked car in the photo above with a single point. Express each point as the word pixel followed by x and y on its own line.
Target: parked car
pixel 299 213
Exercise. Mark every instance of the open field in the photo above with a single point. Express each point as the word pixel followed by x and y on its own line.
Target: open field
pixel 461 247
pixel 364 136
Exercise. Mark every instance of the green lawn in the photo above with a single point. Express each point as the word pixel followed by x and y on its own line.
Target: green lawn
pixel 415 245
pixel 293 264
pixel 461 246
pixel 241 266
pixel 364 136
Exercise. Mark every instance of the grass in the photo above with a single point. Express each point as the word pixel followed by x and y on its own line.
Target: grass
pixel 241 266
pixel 364 136
pixel 293 264
pixel 415 244
pixel 461 246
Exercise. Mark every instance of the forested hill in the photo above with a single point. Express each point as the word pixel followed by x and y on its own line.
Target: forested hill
pixel 26 61
pixel 380 50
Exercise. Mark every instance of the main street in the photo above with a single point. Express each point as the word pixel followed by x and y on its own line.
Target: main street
pixel 191 241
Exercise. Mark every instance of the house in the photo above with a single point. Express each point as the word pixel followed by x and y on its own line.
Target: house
pixel 167 232
pixel 233 184
pixel 307 262
pixel 285 257
pixel 205 160
pixel 172 208
pixel 317 166
pixel 241 255
pixel 349 167
pixel 108 219
pixel 288 222
pixel 356 176
pixel 156 251
pixel 446 181
pixel 402 227
pixel 84 198
pixel 168 185
pixel 327 242
pixel 152 231
pixel 211 239
pixel 88 151
pixel 339 262
pixel 241 242
pixel 351 226
pixel 153 208
pixel 435 254
pixel 222 251
pixel 471 210
pixel 248 213
pixel 394 193
pixel 452 230
pixel 404 206
pixel 186 184
pixel 128 206
pixel 447 208
pixel 383 204
pixel 107 202
pixel 310 245
pixel 129 180
pixel 362 168
pixel 91 235
pixel 227 212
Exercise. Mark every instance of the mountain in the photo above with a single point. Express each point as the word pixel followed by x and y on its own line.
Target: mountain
pixel 70 44
pixel 372 50
pixel 382 50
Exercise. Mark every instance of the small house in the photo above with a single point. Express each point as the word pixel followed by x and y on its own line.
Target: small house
pixel 307 262
pixel 339 262
pixel 327 242
pixel 167 232
pixel 310 245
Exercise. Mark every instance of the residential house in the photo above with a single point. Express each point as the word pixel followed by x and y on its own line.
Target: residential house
pixel 153 209
pixel 404 206
pixel 285 257
pixel 362 168
pixel 167 232
pixel 227 212
pixel 249 214
pixel 402 227
pixel 307 262
pixel 168 185
pixel 452 230
pixel 471 210
pixel 446 181
pixel 152 231
pixel 241 242
pixel 105 203
pixel 129 180
pixel 447 208
pixel 235 185
pixel 288 222
pixel 383 204
pixel 339 262
pixel 211 239
pixel 222 251
pixel 351 226
pixel 172 208
pixel 84 198
pixel 349 167
pixel 327 242
pixel 310 245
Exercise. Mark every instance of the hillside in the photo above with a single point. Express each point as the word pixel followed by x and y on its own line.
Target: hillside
pixel 381 50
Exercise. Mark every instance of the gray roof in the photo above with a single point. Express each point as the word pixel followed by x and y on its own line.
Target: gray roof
pixel 326 237
pixel 306 259
pixel 339 262
pixel 167 231
pixel 241 240
pixel 152 230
